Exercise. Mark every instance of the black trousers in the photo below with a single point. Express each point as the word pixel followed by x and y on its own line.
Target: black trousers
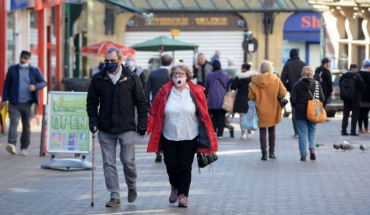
pixel 355 107
pixel 178 157
pixel 364 117
pixel 218 120
pixel 263 139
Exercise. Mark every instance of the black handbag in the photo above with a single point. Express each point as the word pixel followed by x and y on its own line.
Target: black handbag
pixel 206 159
pixel 282 101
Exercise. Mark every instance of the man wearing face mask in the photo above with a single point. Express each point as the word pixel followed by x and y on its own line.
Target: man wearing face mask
pixel 21 89
pixel 117 91
pixel 131 64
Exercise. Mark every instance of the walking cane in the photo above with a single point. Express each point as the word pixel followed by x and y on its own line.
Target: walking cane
pixel 93 167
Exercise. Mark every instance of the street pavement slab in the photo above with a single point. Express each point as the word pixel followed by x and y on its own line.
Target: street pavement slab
pixel 239 182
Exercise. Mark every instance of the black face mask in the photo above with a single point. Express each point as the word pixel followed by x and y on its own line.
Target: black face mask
pixel 111 67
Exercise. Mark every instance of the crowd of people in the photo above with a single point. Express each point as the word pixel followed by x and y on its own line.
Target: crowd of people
pixel 182 108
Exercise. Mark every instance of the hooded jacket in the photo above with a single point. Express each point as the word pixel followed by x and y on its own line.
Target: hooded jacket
pixel 207 142
pixel 360 85
pixel 292 72
pixel 217 84
pixel 264 90
pixel 241 84
pixel 301 94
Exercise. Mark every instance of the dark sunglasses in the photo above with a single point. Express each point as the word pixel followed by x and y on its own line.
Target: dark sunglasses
pixel 110 61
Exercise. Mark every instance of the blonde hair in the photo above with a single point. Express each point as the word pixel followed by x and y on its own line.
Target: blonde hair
pixel 266 67
pixel 307 71
pixel 189 73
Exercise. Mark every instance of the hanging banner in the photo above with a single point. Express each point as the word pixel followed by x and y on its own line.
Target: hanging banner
pixel 68 123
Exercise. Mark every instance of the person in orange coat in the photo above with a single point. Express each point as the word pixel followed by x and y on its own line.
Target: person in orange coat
pixel 180 127
pixel 264 90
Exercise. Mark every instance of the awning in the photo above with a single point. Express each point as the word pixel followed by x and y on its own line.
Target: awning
pixel 125 6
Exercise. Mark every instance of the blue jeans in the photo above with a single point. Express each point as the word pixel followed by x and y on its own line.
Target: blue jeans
pixel 306 129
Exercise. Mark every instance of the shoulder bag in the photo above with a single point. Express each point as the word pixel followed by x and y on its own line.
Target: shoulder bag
pixel 315 109
pixel 282 101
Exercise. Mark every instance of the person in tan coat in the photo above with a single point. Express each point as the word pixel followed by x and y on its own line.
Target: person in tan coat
pixel 264 90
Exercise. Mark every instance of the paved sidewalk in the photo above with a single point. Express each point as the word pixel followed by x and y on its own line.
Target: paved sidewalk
pixel 336 183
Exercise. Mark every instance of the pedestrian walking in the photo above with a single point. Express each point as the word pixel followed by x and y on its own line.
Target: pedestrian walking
pixel 180 126
pixel 350 85
pixel 156 79
pixel 241 86
pixel 353 67
pixel 201 69
pixel 365 98
pixel 291 74
pixel 303 91
pixel 117 91
pixel 264 90
pixel 216 56
pixel 21 89
pixel 131 64
pixel 323 76
pixel 216 85
pixel 230 69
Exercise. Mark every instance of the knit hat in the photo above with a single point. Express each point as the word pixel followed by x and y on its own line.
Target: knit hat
pixel 293 53
pixel 366 63
pixel 216 65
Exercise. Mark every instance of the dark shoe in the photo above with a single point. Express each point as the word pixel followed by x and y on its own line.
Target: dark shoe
pixel 174 197
pixel 354 134
pixel 132 195
pixel 345 134
pixel 264 156
pixel 312 154
pixel 183 201
pixel 303 158
pixel 158 159
pixel 232 132
pixel 272 155
pixel 113 203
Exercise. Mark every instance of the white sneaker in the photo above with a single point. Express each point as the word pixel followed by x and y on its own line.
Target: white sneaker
pixel 250 133
pixel 24 152
pixel 11 149
pixel 220 138
pixel 244 137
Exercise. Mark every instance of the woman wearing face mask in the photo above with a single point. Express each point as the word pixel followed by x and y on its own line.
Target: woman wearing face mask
pixel 180 126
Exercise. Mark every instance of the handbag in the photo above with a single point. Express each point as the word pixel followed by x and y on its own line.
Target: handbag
pixel 251 119
pixel 229 99
pixel 282 101
pixel 206 159
pixel 315 109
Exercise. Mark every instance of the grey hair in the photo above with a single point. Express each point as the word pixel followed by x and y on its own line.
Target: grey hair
pixel 112 49
pixel 201 54
pixel 266 67
pixel 231 62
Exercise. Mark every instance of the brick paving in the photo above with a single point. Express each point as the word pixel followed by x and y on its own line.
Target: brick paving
pixel 336 183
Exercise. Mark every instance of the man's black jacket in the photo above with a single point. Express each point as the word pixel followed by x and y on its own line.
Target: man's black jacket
pixel 117 102
pixel 360 84
pixel 326 83
pixel 292 72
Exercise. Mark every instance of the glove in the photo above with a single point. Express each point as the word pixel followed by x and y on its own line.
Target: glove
pixel 93 128
pixel 141 131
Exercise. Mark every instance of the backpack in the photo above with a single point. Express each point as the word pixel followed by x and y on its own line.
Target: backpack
pixel 348 89
pixel 318 77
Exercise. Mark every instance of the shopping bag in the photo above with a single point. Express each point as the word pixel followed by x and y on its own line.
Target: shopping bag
pixel 228 103
pixel 315 109
pixel 251 120
pixel 4 115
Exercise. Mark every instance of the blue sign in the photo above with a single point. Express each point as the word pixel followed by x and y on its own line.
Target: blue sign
pixel 18 4
pixel 303 22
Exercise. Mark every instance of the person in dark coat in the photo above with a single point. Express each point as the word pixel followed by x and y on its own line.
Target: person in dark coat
pixel 303 91
pixel 365 98
pixel 241 85
pixel 21 89
pixel 111 100
pixel 216 88
pixel 290 75
pixel 156 79
pixel 354 104
pixel 323 75
pixel 201 69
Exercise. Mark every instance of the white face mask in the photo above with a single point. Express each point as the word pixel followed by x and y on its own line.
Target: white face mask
pixel 179 81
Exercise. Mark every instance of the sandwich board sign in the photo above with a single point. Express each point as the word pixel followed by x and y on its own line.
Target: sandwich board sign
pixel 68 123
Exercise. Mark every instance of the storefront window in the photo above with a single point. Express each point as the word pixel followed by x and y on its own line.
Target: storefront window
pixel 361 55
pixel 10 33
pixel 361 35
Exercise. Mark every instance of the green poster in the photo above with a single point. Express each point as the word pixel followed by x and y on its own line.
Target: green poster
pixel 68 123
